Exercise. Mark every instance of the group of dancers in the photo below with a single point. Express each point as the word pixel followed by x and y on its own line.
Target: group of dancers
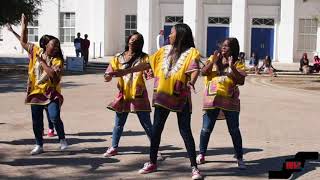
pixel 174 69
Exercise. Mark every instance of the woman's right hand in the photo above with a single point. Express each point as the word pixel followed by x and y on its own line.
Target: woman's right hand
pixel 215 55
pixel 107 77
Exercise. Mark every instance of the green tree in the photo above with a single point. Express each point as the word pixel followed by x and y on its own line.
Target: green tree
pixel 11 10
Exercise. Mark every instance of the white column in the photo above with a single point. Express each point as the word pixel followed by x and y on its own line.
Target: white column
pixel 318 39
pixel 112 28
pixel 239 22
pixel 146 19
pixel 286 45
pixel 276 37
pixel 193 16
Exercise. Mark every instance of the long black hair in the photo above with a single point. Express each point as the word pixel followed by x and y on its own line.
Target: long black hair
pixel 45 39
pixel 184 39
pixel 138 52
pixel 234 49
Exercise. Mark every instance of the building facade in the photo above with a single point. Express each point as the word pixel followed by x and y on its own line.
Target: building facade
pixel 282 29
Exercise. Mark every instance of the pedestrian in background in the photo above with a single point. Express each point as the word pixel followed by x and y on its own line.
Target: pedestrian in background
pixel 77 44
pixel 85 44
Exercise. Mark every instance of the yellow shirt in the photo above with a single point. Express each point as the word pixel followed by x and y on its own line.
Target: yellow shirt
pixel 220 90
pixel 170 90
pixel 132 94
pixel 41 89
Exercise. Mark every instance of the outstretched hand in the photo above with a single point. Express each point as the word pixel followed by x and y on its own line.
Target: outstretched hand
pixel 118 73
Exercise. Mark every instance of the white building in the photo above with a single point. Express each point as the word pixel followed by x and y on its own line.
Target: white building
pixel 283 29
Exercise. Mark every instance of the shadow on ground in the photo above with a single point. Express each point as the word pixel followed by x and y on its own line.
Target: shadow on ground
pixel 18 83
pixel 258 168
pixel 71 141
pixel 70 161
pixel 125 133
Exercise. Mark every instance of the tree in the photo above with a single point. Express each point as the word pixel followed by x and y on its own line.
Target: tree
pixel 11 10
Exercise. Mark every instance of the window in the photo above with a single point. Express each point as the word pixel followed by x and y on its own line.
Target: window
pixel 1 35
pixel 263 21
pixel 67 27
pixel 174 19
pixel 218 20
pixel 130 25
pixel 307 35
pixel 33 31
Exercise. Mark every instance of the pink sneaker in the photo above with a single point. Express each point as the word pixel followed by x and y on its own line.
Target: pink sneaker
pixel 241 164
pixel 51 133
pixel 200 159
pixel 196 173
pixel 110 152
pixel 148 168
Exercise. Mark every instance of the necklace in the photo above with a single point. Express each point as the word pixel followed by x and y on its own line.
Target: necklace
pixel 168 67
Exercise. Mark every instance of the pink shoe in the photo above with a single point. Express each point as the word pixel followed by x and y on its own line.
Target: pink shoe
pixel 51 133
pixel 200 159
pixel 111 151
pixel 196 173
pixel 148 168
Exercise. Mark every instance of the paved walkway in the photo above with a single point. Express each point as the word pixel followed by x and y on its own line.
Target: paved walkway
pixel 276 123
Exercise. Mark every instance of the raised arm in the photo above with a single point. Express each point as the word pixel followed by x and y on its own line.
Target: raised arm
pixel 9 27
pixel 209 64
pixel 122 72
pixel 23 38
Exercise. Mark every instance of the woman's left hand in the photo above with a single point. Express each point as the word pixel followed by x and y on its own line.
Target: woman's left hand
pixel 191 86
pixel 230 61
pixel 148 74
pixel 41 59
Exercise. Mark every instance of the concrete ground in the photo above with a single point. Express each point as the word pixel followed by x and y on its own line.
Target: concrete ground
pixel 276 122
